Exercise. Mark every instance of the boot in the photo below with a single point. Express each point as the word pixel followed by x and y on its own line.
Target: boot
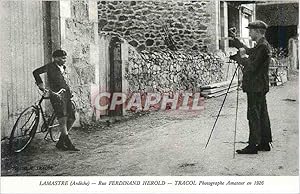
pixel 250 149
pixel 60 144
pixel 264 147
pixel 69 144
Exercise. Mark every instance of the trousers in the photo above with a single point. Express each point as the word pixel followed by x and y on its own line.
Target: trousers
pixel 258 118
pixel 63 107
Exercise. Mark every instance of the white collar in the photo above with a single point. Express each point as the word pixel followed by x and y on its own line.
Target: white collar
pixel 61 68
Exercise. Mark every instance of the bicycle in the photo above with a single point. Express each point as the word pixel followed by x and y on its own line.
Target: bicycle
pixel 27 124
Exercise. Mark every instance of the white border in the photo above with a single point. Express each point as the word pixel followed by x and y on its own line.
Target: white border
pixel 90 184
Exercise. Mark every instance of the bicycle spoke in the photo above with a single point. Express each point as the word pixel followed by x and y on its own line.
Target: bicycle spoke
pixel 28 119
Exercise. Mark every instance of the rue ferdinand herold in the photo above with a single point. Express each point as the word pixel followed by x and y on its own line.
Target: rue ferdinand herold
pixel 87 183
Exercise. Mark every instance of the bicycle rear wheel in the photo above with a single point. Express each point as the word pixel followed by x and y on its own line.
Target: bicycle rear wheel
pixel 24 129
pixel 54 129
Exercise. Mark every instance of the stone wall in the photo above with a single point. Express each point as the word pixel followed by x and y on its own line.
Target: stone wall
pixel 79 28
pixel 168 71
pixel 151 66
pixel 190 23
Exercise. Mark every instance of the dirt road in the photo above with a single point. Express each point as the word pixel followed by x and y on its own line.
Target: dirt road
pixel 172 143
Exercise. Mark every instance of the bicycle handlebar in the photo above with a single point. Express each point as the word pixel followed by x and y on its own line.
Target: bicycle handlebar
pixel 57 94
pixel 54 93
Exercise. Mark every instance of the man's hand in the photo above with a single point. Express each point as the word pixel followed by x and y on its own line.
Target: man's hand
pixel 242 52
pixel 235 57
pixel 41 87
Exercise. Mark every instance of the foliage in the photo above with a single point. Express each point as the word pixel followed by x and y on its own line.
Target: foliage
pixel 166 71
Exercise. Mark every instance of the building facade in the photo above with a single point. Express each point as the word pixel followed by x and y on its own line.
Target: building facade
pixel 32 30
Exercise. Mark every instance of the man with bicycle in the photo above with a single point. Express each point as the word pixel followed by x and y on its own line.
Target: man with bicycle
pixel 62 105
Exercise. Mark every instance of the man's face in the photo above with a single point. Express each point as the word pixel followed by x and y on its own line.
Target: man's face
pixel 253 34
pixel 61 60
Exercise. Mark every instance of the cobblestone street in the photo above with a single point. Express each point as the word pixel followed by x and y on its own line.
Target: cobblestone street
pixel 169 143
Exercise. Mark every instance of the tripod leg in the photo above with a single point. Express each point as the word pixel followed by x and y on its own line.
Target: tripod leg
pixel 236 115
pixel 222 105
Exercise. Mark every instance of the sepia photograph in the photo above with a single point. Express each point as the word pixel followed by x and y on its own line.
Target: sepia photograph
pixel 159 96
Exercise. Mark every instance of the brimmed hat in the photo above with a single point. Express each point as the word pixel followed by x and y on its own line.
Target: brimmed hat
pixel 59 53
pixel 257 25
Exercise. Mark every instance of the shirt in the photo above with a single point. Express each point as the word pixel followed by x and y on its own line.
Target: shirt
pixel 55 77
pixel 256 66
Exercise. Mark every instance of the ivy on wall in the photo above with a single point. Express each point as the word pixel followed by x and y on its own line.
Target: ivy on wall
pixel 165 71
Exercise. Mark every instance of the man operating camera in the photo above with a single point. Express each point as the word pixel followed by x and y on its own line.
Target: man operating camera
pixel 255 62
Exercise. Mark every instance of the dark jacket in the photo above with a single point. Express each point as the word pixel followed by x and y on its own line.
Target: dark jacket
pixel 256 66
pixel 56 79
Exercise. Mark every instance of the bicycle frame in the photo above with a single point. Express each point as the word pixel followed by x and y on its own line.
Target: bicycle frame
pixel 39 105
pixel 46 122
pixel 19 142
pixel 41 109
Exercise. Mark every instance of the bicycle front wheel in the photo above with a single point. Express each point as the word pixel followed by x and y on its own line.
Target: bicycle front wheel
pixel 24 129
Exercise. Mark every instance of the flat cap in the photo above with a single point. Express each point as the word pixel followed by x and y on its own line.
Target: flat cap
pixel 258 24
pixel 59 53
